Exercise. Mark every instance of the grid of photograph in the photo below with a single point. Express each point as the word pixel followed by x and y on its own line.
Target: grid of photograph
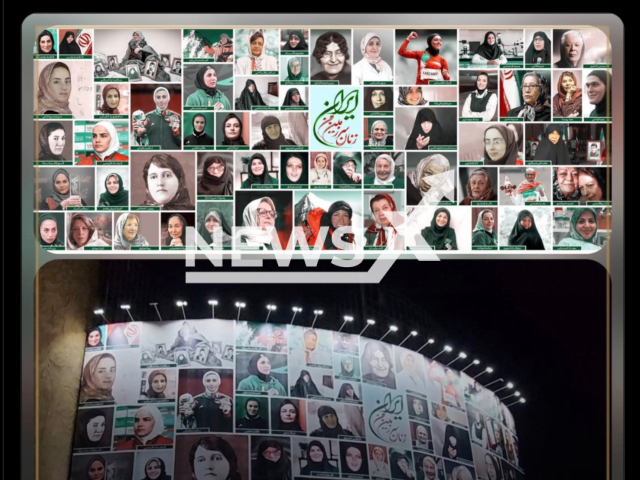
pixel 348 139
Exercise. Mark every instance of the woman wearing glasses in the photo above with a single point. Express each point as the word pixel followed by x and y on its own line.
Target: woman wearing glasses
pixel 216 178
pixel 535 99
pixel 332 52
pixel 258 222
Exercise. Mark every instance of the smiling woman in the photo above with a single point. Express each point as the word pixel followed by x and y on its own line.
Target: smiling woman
pixel 54 90
pixel 332 53
pixel 115 194
pixel 148 427
pixel 583 230
pixel 127 233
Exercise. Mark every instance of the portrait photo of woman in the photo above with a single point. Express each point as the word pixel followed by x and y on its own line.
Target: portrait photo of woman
pixel 378 461
pixel 272 460
pixel 346 168
pixel 111 100
pixel 567 102
pixel 176 231
pixel 294 40
pixel 49 234
pixel 272 136
pixel 552 146
pixel 566 184
pixel 421 435
pixel 378 99
pixel 354 461
pixel 593 184
pixel 598 87
pixel 382 232
pixel 431 62
pixel 98 377
pixel 165 182
pixel 83 232
pixel 529 190
pixel 294 168
pixel 114 194
pixel 52 142
pixel 539 50
pixel 256 47
pixel 155 469
pixel 481 102
pixel 305 386
pixel 105 144
pixel 251 414
pixel 212 456
pixel 524 232
pixel 198 135
pixel 157 386
pixel 410 367
pixel 484 232
pixel 295 70
pixel 230 129
pixel 429 468
pixel 258 172
pixel 347 392
pixel 378 133
pixel 211 409
pixel 338 215
pixel 46 44
pixel 293 98
pixel 571 49
pixel 160 126
pixel 61 196
pixel 330 426
pixel 583 230
pixel 260 378
pixel 260 224
pixel 207 93
pixel 69 45
pixel 317 460
pixel 535 105
pixel 401 465
pixel 479 186
pixel 489 52
pixel 417 408
pixel 320 172
pixel 216 178
pixel 432 181
pixel 93 430
pixel 372 67
pixel 249 96
pixel 215 229
pixel 377 365
pixel 127 233
pixel 439 234
pixel 428 132
pixel 411 96
pixel 94 339
pixel 285 417
pixel 331 52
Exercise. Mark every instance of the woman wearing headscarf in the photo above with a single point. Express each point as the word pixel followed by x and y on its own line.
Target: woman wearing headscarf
pixel 382 232
pixel 206 94
pixel 501 146
pixel 347 392
pixel 378 466
pixel 529 190
pixel 272 462
pixel 260 378
pixel 384 172
pixel 593 185
pixel 295 41
pixel 249 96
pixel 332 54
pixel 160 126
pixel 439 234
pixel 147 430
pixel 52 140
pixel 431 65
pixel 492 465
pixel 217 453
pixel 294 71
pixel 83 233
pixel 427 131
pixel 524 232
pixel 411 96
pixel 329 424
pixel 211 409
pixel 69 46
pixel 479 188
pixel 258 172
pixel 583 230
pixel 535 99
pixel 598 87
pixel 215 229
pixel 372 68
pixel 571 50
pixel 61 197
pixel 92 431
pixel 317 460
pixel 199 135
pixel 155 469
pixel 46 43
pixel 422 439
pixel 257 58
pixel 401 466
pixel 166 183
pixel 377 365
pixel 177 231
pixel 451 442
pixel 114 195
pixel 428 469
pixel 54 90
pixel 378 99
pixel 232 130
pixel 288 418
pixel 294 169
pixel 96 468
pixel 489 52
pixel 258 222
pixel 378 135
pixel 157 382
pixel 568 101
pixel 138 50
pixel 481 103
pixel 346 368
pixel 272 137
pixel 105 143
pixel 293 99
pixel 110 100
pixel 216 179
pixel 484 233
pixel 429 182
pixel 320 174
pixel 94 338
pixel 345 169
pixel 353 457
pixel 305 386
pixel 126 233
pixel 339 215
pixel 539 50
pixel 251 419
pixel 461 473
pixel 98 376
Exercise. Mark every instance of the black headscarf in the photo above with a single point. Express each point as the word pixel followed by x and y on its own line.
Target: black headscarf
pixel 82 439
pixel 118 199
pixel 436 235
pixel 95 329
pixel 210 184
pixel 199 81
pixel 247 99
pixel 511 153
pixel 163 469
pixel 43 140
pixel 237 141
pixel 302 45
pixel 303 389
pixel 558 153
pixel 252 368
pixel 387 106
pixel 265 469
pixel 321 466
pixel 450 432
pixel 520 236
pixel 364 466
pixel 343 392
pixel 183 237
pixel 288 100
pixel 396 472
pixel 325 221
pixel 199 134
pixel 47 33
pixel 294 426
pixel 437 134
pixel 272 144
pixel 340 177
pixel 430 48
pixel 602 109
pixel 486 51
pixel 151 393
pixel 96 458
pixel 531 55
pixel 67 48
pixel 264 179
pixel 204 233
pixel 304 176
pixel 330 432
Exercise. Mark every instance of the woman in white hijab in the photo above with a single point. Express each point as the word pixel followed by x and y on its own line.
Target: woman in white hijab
pixel 127 233
pixel 320 174
pixel 431 182
pixel 257 58
pixel 378 466
pixel 105 142
pixel 372 68
pixel 258 222
pixel 148 428
pixel 384 173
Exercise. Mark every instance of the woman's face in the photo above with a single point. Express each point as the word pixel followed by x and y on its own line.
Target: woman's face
pixel 210 78
pixel 232 128
pixel 306 378
pixel 96 470
pixel 436 42
pixel 538 43
pixel 340 218
pixel 95 428
pixel 162 184
pixel 494 144
pixel 491 470
pixel 159 383
pixel 373 47
pixel 586 225
pixel 211 383
pixel 379 131
pixel 378 98
pixel 112 184
pixel 105 373
pixel 441 219
pixel 211 223
pixel 481 82
pixel 273 131
pixel 378 454
pixel 429 469
pixel 294 40
pixel 567 180
pixel 452 451
pixel 161 99
pixel 554 137
pixel 57 140
pixel 567 83
pixel 294 169
pixel 379 364
pixel 60 84
pixel 589 187
pixel 441 412
pixel 266 215
pixel 417 406
pixel 253 407
pixel 175 227
pixel 530 176
pixel 296 97
pixel 80 232
pixel 257 167
pixel 101 138
pixel 216 169
pixel 136 37
pixel 46 44
pixel 330 420
pixel 130 229
pixel 295 67
pixel 256 46
pixel 264 366
pixel 349 167
pixel 403 464
pixel 491 39
pixel 210 464
pixel 572 48
pixel 252 87
pixel 422 434
pixel 70 38
pixel 49 232
pixel 426 126
pixel 414 95
pixel 62 184
pixel 321 162
pixel 478 185
pixel 354 459
pixel 143 423
pixel 333 59
pixel 378 209
pixel 113 98
pixel 488 220
pixel 153 470
pixel 596 89
pixel 347 364
pixel 433 168
pixel 315 453
pixel 288 413
pixel 272 454
pixel 350 392
pixel 198 124
pixel 526 222
pixel 530 89
pixel 310 340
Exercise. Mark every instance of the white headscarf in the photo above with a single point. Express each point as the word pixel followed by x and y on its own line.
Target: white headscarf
pixel 378 143
pixel 252 233
pixel 375 62
pixel 119 241
pixel 440 183
pixel 392 177
pixel 158 427
pixel 115 142
pixel 168 97
pixel 323 173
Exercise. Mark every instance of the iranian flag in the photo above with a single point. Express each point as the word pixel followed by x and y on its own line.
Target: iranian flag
pixel 510 94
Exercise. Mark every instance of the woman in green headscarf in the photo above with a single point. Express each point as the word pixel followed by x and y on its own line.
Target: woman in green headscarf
pixel 484 233
pixel 345 169
pixel 583 230
pixel 524 232
pixel 48 230
pixel 115 194
pixel 439 234
pixel 294 71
